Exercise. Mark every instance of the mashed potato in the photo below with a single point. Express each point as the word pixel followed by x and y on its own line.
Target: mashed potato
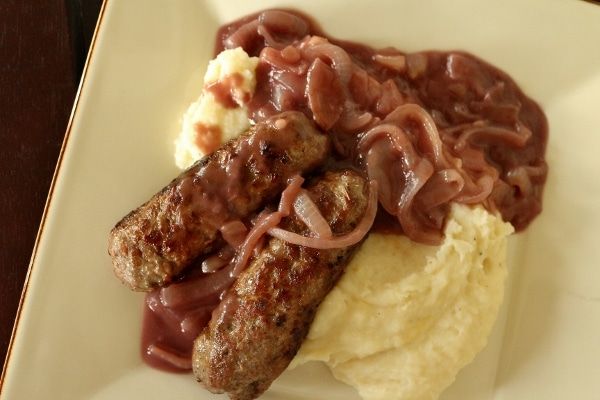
pixel 406 317
pixel 207 112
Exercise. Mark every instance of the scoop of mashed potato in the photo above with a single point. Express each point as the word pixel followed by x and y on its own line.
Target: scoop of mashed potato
pixel 406 317
pixel 208 122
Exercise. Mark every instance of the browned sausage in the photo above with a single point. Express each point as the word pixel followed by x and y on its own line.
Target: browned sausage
pixel 154 243
pixel 260 324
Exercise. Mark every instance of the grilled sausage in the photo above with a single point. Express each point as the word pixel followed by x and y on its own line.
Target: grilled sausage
pixel 156 242
pixel 260 324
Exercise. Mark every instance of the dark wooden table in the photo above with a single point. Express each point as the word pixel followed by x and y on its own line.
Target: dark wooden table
pixel 43 47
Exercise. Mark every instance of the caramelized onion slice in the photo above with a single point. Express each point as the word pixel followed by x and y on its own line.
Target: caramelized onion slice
pixel 349 239
pixel 234 232
pixel 289 194
pixel 308 212
pixel 265 221
pixel 202 290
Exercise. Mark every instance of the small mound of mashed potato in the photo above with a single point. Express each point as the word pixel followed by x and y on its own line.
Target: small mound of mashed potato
pixel 208 122
pixel 406 317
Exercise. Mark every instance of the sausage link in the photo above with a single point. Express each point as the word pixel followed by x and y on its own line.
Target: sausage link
pixel 156 242
pixel 260 324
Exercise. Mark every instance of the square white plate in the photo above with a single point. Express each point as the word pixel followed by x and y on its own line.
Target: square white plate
pixel 78 328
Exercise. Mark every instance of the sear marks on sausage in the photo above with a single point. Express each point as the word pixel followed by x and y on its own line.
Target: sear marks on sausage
pixel 260 324
pixel 156 242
